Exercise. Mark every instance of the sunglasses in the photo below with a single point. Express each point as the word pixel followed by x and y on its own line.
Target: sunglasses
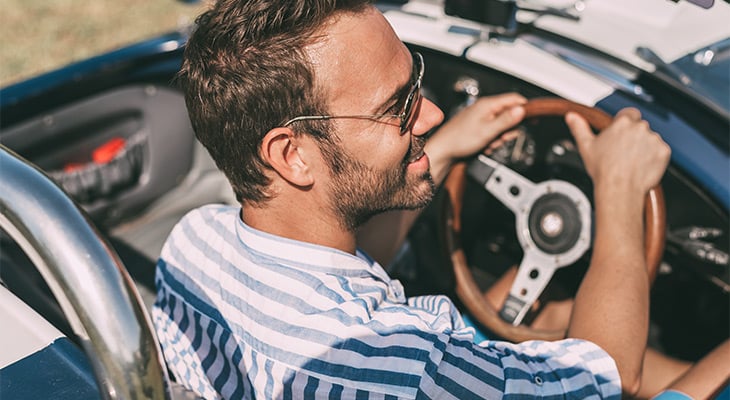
pixel 410 105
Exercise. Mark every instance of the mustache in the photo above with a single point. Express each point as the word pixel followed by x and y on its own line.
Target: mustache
pixel 415 150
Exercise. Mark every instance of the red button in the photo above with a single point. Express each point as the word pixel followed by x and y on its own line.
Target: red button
pixel 107 151
pixel 73 166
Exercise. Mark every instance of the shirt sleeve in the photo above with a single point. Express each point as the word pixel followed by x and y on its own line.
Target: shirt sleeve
pixel 671 395
pixel 569 368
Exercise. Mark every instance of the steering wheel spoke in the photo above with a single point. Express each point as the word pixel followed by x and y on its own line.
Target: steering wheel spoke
pixel 532 277
pixel 509 187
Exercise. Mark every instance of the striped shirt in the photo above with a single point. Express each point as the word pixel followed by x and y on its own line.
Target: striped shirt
pixel 244 314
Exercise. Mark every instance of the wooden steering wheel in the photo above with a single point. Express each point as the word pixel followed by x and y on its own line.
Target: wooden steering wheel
pixel 553 220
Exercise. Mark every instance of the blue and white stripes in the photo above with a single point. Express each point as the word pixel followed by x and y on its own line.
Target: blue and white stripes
pixel 244 314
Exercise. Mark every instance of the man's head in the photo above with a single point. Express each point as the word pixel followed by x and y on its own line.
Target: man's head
pixel 245 71
pixel 252 66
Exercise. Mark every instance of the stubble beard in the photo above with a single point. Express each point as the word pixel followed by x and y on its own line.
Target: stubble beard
pixel 360 192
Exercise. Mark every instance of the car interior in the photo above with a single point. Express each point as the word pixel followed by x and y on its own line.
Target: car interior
pixel 128 156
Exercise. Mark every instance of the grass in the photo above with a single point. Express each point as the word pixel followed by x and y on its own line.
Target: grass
pixel 41 35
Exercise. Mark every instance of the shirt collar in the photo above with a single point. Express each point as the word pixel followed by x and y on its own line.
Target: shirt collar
pixel 307 255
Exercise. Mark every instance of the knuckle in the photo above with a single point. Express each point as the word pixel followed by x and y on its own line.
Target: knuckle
pixel 628 114
pixel 622 119
pixel 661 149
pixel 512 95
pixel 484 103
pixel 633 112
pixel 667 150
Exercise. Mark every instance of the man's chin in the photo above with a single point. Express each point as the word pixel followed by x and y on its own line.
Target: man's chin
pixel 418 199
pixel 422 193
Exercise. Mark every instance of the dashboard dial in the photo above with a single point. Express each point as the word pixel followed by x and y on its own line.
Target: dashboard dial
pixel 518 154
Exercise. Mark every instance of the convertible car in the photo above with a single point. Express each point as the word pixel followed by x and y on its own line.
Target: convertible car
pixel 98 161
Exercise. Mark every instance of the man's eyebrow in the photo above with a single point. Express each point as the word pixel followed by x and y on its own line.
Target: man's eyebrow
pixel 394 98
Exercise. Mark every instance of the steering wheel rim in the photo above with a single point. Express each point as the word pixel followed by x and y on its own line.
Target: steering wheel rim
pixel 85 275
pixel 466 287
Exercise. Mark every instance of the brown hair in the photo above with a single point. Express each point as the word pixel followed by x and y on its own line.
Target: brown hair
pixel 245 72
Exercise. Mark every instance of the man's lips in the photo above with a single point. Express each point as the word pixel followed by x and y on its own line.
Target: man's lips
pixel 417 160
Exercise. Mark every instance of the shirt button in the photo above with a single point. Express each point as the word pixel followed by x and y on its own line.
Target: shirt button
pixel 538 381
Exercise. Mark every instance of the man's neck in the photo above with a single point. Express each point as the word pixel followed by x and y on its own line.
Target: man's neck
pixel 302 222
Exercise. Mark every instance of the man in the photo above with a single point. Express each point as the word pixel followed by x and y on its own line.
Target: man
pixel 313 111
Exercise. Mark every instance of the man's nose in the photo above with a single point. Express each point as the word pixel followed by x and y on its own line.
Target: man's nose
pixel 429 116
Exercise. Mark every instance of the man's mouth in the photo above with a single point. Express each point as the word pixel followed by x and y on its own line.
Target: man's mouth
pixel 417 156
pixel 416 151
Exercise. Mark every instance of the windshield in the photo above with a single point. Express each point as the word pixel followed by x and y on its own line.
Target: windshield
pixel 709 72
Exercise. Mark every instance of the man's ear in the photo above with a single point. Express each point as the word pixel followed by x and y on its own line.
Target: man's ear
pixel 282 149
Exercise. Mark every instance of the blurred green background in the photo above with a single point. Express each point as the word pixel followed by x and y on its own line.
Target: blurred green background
pixel 41 35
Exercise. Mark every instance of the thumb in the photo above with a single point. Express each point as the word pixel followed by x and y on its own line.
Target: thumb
pixel 580 129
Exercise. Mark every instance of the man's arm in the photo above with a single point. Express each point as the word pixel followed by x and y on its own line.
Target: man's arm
pixel 706 378
pixel 612 305
pixel 476 127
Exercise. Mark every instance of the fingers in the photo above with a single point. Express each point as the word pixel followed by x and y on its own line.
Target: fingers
pixel 580 129
pixel 505 120
pixel 627 152
pixel 498 103
pixel 501 140
pixel 630 118
pixel 582 132
pixel 474 127
pixel 631 113
pixel 500 112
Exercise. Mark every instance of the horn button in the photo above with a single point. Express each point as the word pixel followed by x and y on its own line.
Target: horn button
pixel 554 223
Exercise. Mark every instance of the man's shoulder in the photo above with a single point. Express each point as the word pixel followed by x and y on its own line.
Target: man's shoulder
pixel 210 212
pixel 198 247
pixel 199 228
pixel 207 217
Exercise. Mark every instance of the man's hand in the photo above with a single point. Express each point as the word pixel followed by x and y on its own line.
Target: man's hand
pixel 612 304
pixel 473 129
pixel 628 152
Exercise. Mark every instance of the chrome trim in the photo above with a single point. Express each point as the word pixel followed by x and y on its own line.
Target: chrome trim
pixel 620 78
pixel 712 54
pixel 648 55
pixel 87 278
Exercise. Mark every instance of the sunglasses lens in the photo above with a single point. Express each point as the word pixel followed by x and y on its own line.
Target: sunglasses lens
pixel 412 103
pixel 413 100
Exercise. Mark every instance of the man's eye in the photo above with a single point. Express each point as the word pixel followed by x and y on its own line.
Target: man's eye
pixel 395 108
